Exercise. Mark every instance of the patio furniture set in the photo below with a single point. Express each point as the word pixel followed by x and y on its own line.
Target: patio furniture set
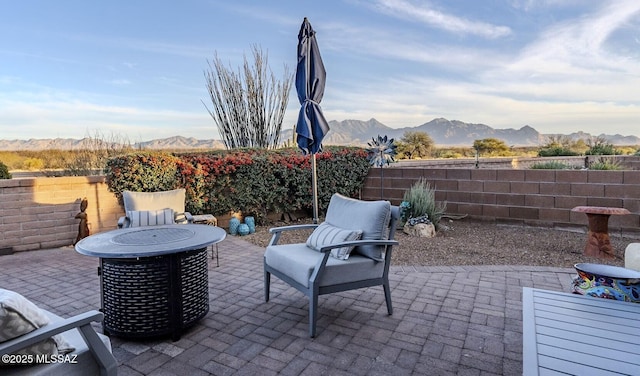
pixel 154 282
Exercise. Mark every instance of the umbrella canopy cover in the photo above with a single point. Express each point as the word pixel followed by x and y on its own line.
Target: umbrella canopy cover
pixel 310 80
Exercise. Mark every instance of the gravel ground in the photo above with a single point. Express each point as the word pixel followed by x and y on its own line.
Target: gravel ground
pixel 472 242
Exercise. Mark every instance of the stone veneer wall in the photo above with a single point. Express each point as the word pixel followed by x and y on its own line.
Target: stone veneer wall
pixel 37 213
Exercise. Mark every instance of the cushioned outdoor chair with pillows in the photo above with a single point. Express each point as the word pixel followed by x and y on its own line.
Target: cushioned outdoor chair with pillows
pixel 154 208
pixel 34 341
pixel 351 249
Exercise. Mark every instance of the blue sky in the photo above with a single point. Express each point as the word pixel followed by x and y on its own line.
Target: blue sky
pixel 72 68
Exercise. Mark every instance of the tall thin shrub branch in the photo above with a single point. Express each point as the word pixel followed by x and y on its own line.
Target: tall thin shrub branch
pixel 248 106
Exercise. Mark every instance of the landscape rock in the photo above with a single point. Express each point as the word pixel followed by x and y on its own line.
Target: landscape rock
pixel 422 230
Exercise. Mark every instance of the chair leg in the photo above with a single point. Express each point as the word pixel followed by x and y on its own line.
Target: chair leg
pixel 313 314
pixel 267 285
pixel 387 297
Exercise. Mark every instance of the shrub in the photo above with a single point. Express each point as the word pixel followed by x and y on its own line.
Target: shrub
pixel 253 181
pixel 4 171
pixel 421 199
pixel 143 172
pixel 600 146
pixel 606 164
pixel 34 164
pixel 551 165
pixel 556 151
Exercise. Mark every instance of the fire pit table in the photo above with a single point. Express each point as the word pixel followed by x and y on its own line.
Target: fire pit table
pixel 154 280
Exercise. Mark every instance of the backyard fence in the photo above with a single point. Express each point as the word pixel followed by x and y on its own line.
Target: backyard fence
pixel 39 213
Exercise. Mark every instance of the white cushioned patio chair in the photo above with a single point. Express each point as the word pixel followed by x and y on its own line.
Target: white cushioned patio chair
pixel 154 208
pixel 351 249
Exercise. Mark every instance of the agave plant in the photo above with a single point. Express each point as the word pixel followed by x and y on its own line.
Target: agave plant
pixel 380 152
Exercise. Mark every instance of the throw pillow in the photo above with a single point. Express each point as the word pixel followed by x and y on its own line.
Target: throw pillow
pixel 19 316
pixel 139 218
pixel 326 234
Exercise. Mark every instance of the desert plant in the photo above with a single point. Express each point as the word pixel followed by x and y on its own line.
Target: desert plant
pixel 606 164
pixel 415 144
pixel 421 201
pixel 556 151
pixel 248 106
pixel 491 147
pixel 600 146
pixel 33 164
pixel 551 165
pixel 4 171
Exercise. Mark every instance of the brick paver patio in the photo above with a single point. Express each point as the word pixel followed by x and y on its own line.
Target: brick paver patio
pixel 464 320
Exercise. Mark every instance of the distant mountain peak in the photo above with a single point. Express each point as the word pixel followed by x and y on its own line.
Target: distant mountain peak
pixel 444 133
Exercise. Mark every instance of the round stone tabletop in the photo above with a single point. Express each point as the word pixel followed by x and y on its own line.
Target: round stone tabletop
pixel 149 241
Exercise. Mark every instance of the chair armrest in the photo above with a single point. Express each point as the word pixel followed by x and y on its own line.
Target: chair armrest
pixel 82 322
pixel 123 222
pixel 276 231
pixel 182 218
pixel 40 334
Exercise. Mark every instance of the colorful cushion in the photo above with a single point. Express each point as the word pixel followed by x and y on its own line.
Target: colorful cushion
pixel 19 316
pixel 326 234
pixel 139 218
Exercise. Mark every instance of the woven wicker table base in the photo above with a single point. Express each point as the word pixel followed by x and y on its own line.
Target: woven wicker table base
pixel 154 296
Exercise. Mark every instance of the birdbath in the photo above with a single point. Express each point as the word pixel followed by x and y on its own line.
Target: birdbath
pixel 598 243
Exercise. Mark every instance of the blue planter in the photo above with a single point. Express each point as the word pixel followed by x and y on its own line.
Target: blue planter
pixel 233 225
pixel 251 222
pixel 243 229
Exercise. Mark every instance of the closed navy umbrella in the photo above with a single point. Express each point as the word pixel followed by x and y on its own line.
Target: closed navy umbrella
pixel 310 80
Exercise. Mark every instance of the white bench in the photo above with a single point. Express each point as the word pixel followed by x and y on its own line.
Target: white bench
pixel 570 334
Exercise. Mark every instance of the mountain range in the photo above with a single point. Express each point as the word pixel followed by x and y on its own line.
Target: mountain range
pixel 353 132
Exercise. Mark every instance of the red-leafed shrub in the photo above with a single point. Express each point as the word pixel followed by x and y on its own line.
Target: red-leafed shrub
pixel 253 181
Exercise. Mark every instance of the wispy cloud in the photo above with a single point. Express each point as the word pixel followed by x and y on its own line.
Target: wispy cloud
pixel 578 46
pixel 63 114
pixel 120 82
pixel 405 47
pixel 434 18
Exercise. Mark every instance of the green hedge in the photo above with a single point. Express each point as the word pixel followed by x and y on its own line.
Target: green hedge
pixel 4 171
pixel 253 181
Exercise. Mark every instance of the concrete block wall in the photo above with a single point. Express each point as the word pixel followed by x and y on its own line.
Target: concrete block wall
pixel 38 213
pixel 527 197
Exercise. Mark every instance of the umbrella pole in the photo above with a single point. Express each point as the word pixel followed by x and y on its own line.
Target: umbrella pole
pixel 314 184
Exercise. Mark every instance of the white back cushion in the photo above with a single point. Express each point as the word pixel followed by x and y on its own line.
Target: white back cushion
pixel 173 199
pixel 139 218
